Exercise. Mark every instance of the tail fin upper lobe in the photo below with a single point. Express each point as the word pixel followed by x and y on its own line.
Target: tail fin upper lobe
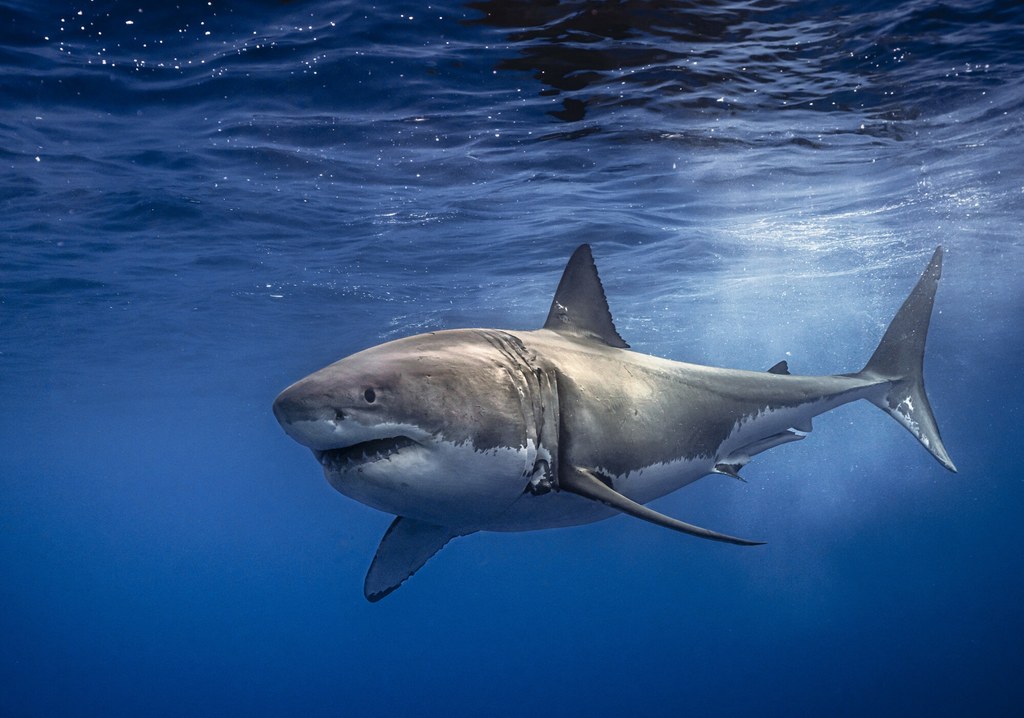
pixel 899 361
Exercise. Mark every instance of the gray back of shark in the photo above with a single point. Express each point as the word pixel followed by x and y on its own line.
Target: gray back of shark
pixel 491 430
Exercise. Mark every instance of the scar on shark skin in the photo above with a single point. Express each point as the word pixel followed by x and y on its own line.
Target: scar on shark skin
pixel 471 430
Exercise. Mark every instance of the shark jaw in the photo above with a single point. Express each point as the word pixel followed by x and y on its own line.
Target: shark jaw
pixel 345 458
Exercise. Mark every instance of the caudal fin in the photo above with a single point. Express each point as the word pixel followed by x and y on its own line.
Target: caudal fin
pixel 899 361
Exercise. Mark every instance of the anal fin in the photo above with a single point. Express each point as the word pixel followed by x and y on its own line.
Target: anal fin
pixel 732 470
pixel 406 546
pixel 587 484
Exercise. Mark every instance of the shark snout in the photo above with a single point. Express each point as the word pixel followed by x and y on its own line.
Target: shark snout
pixel 290 406
pixel 306 418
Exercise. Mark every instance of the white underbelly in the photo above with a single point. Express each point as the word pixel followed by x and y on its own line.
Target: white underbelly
pixel 447 484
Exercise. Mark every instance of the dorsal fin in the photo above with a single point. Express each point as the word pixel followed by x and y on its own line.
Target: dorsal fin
pixel 781 368
pixel 580 307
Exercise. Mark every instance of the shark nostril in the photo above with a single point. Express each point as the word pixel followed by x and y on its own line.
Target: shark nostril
pixel 339 415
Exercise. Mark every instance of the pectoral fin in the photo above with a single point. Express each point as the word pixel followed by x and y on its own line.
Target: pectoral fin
pixel 406 546
pixel 587 484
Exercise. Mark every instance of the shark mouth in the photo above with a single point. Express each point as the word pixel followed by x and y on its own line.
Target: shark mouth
pixel 362 453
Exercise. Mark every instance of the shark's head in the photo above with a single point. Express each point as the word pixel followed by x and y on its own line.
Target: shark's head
pixel 434 427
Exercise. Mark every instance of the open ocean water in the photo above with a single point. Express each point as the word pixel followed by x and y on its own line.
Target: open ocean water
pixel 201 203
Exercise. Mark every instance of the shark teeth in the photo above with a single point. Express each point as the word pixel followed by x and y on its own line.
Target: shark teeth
pixel 363 452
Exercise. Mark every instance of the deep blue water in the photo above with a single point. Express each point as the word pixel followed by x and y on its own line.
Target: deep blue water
pixel 201 204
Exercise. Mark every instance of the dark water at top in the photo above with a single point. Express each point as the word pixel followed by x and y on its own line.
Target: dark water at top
pixel 202 203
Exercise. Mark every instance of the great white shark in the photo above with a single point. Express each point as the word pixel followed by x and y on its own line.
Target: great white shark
pixel 471 430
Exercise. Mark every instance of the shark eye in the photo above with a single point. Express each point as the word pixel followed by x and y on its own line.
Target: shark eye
pixel 370 395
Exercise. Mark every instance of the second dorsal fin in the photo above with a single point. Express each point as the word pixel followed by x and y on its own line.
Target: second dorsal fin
pixel 580 307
